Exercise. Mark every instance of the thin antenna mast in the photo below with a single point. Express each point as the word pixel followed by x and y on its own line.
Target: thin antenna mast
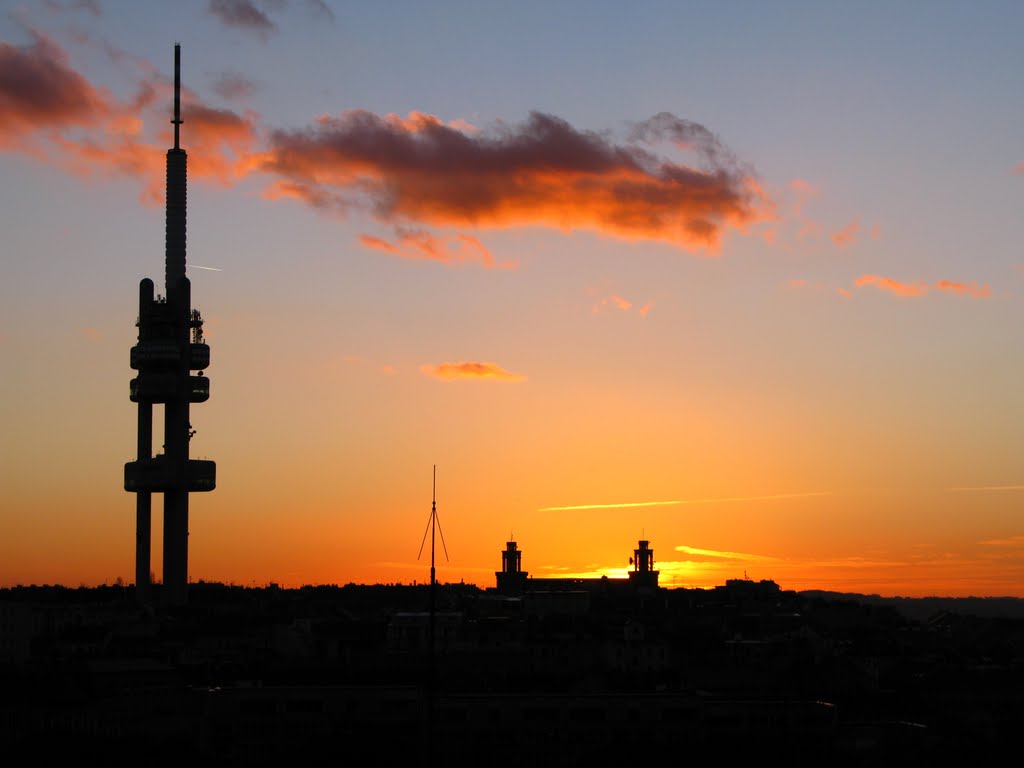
pixel 177 93
pixel 433 524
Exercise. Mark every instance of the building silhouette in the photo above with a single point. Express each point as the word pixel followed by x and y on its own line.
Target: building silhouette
pixel 512 580
pixel 170 346
pixel 643 574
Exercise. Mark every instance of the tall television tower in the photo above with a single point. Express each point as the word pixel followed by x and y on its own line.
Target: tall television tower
pixel 170 347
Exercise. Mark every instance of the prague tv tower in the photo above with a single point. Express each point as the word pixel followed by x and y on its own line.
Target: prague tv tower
pixel 170 347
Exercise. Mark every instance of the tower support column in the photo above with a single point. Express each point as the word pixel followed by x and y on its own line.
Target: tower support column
pixel 144 510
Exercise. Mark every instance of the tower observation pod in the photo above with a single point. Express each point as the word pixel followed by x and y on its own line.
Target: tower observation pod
pixel 170 347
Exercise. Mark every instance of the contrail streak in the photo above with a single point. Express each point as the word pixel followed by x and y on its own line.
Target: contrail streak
pixel 686 501
pixel 198 266
pixel 989 488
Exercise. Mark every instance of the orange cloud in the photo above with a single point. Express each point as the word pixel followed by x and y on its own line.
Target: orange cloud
pixel 847 235
pixel 219 140
pixel 892 286
pixel 964 289
pixel 470 370
pixel 281 190
pixel 621 304
pixel 55 114
pixel 39 90
pixel 421 245
pixel 411 172
pixel 378 244
pixel 543 172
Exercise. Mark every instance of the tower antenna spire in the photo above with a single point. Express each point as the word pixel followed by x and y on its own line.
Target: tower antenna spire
pixel 177 121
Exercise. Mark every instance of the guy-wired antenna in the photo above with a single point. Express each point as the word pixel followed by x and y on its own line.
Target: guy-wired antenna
pixel 432 524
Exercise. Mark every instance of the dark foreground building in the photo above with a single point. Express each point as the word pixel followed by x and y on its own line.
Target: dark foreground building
pixel 742 673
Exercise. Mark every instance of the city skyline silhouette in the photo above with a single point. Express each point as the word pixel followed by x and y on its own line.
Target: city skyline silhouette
pixel 756 304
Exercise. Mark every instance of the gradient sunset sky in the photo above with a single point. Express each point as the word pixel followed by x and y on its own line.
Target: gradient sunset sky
pixel 741 278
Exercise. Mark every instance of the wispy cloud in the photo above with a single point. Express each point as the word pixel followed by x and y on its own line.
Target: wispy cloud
pixel 421 245
pixel 724 555
pixel 847 235
pixel 1009 541
pixel 244 15
pixel 804 192
pixel 964 289
pixel 320 10
pixel 621 505
pixel 91 6
pixel 624 304
pixel 1012 542
pixel 988 488
pixel 676 502
pixel 40 90
pixel 232 86
pixel 895 287
pixel 542 172
pixel 614 301
pixel 470 370
pixel 54 114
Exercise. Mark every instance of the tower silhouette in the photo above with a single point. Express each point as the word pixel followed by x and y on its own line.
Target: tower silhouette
pixel 511 578
pixel 643 573
pixel 169 348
